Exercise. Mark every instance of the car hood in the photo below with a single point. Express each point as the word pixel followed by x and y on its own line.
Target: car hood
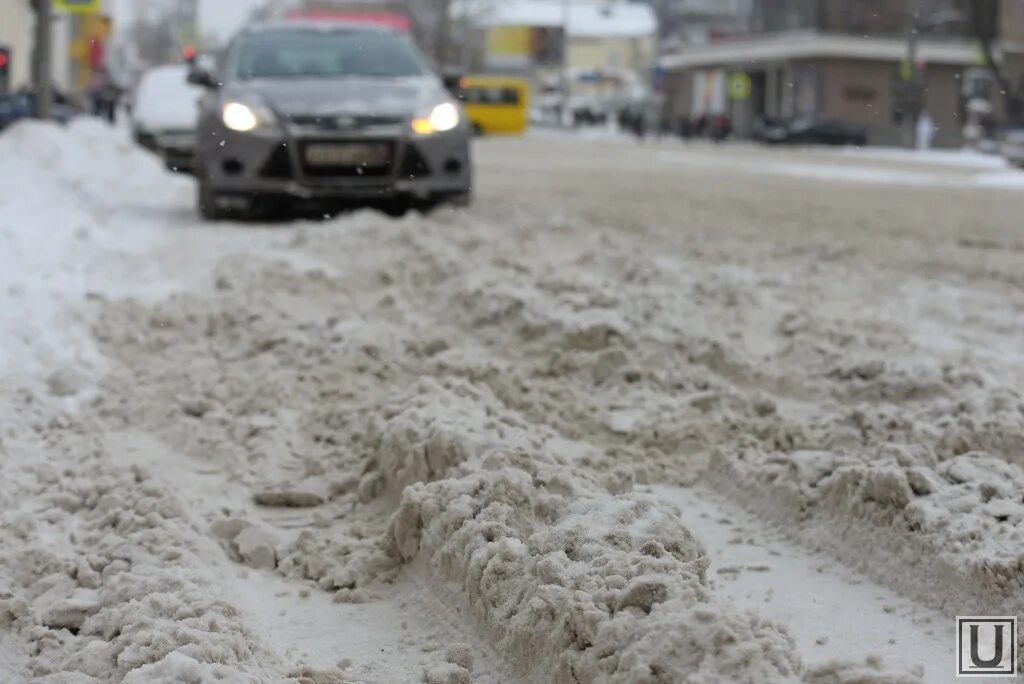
pixel 404 97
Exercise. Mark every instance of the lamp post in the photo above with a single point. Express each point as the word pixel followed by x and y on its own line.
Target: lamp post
pixel 42 70
pixel 565 77
pixel 912 90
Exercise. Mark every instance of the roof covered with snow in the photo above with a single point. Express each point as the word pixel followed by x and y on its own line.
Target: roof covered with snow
pixel 587 18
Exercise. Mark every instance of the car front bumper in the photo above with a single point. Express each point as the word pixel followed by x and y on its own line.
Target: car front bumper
pixel 274 165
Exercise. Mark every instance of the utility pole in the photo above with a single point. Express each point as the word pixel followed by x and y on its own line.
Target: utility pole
pixel 566 77
pixel 912 85
pixel 443 33
pixel 42 69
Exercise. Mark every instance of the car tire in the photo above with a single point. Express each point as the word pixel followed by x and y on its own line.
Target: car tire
pixel 206 199
pixel 395 208
pixel 463 200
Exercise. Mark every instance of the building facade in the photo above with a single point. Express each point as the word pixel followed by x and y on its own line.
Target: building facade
pixel 16 24
pixel 602 50
pixel 838 60
pixel 17 33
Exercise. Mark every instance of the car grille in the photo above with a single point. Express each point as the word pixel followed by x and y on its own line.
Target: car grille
pixel 355 171
pixel 341 122
pixel 278 164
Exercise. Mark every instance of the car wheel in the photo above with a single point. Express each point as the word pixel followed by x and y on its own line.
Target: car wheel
pixel 395 208
pixel 462 200
pixel 206 199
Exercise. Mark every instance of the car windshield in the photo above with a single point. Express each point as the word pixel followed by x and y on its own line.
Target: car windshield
pixel 319 54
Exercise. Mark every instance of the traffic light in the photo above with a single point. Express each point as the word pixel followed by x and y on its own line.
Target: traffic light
pixel 5 69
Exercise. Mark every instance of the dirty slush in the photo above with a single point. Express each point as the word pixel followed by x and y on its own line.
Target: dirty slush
pixel 463 416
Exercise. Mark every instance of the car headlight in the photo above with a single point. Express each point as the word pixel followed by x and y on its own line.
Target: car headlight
pixel 444 117
pixel 244 118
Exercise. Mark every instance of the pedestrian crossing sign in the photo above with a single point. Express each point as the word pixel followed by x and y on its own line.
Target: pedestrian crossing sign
pixel 739 86
pixel 77 6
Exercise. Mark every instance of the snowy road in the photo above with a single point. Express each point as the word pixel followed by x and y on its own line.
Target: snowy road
pixel 643 414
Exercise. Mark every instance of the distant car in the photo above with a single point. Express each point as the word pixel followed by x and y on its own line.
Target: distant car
pixel 328 115
pixel 164 113
pixel 495 104
pixel 811 131
pixel 21 105
pixel 1013 147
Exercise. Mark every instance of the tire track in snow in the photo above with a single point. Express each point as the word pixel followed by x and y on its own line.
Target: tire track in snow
pixel 831 611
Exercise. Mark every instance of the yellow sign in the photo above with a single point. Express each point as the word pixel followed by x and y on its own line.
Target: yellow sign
pixel 906 69
pixel 739 86
pixel 77 6
pixel 980 56
pixel 93 31
pixel 510 40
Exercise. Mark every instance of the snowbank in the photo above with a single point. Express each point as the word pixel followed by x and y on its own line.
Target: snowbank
pixel 63 189
pixel 466 403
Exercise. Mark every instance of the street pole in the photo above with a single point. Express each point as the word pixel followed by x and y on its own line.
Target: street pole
pixel 912 89
pixel 42 70
pixel 566 17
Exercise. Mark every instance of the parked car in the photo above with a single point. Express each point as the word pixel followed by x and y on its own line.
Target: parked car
pixel 164 114
pixel 811 131
pixel 328 115
pixel 1013 146
pixel 21 105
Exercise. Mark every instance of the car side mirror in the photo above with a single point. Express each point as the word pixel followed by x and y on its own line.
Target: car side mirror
pixel 203 77
pixel 452 80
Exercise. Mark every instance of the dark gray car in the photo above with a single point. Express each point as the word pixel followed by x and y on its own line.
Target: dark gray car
pixel 331 116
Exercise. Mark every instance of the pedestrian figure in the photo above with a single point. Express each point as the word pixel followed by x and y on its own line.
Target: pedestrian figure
pixel 925 131
pixel 103 94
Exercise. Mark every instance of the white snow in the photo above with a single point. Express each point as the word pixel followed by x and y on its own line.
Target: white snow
pixel 586 19
pixel 1012 179
pixel 376 450
pixel 57 242
pixel 831 611
pixel 953 158
pixel 809 164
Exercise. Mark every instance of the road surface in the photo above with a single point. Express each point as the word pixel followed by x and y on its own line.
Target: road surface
pixel 645 413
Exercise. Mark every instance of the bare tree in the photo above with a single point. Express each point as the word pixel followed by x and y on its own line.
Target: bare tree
pixel 431 25
pixel 156 44
pixel 667 12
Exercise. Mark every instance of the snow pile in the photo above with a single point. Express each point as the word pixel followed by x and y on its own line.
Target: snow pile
pixel 571 582
pixel 474 495
pixel 404 416
pixel 951 530
pixel 62 188
pixel 474 404
pixel 106 582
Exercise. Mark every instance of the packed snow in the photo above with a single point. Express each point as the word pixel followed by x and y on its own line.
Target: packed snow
pixel 606 426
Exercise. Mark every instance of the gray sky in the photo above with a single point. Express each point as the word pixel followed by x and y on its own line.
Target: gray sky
pixel 222 17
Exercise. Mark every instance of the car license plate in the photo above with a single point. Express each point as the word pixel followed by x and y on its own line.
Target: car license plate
pixel 348 154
